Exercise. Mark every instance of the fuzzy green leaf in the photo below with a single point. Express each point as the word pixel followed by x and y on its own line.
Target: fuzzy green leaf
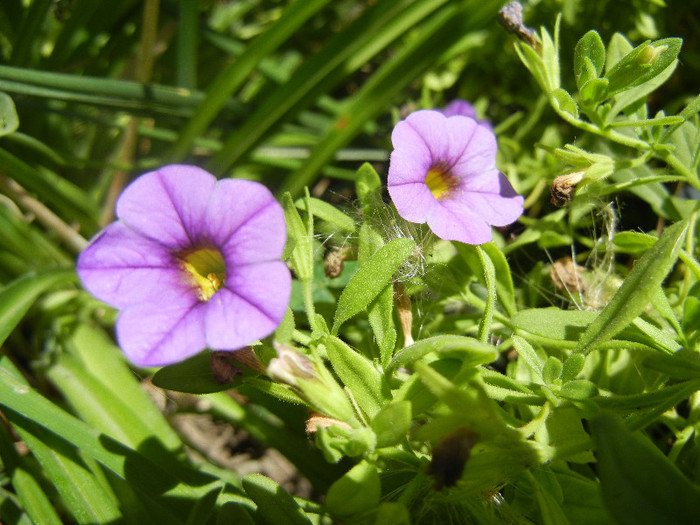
pixel 594 91
pixel 299 249
pixel 381 319
pixel 589 51
pixel 643 63
pixel 358 374
pixel 552 370
pixel 359 490
pixel 636 290
pixel 370 279
pixel 368 185
pixel 9 121
pixel 572 367
pixel 471 352
pixel 579 389
pixel 275 505
pixel 565 102
pixel 328 213
pixel 392 423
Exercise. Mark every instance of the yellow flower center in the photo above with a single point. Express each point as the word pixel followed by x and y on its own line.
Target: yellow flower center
pixel 440 181
pixel 207 270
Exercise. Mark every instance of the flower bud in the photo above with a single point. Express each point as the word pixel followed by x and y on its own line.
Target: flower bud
pixel 289 366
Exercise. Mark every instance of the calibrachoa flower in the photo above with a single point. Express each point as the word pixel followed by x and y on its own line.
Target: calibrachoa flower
pixel 461 107
pixel 192 263
pixel 443 172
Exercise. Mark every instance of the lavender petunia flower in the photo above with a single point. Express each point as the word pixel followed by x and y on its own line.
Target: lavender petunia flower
pixel 461 107
pixel 443 172
pixel 192 263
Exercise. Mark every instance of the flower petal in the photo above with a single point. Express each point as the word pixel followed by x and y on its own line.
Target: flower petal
pixel 478 147
pixel 408 166
pixel 418 133
pixel 414 202
pixel 453 222
pixel 250 306
pixel 459 107
pixel 168 205
pixel 491 197
pixel 121 268
pixel 251 230
pixel 162 334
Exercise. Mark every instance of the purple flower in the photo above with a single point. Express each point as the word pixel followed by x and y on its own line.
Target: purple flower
pixel 192 263
pixel 443 172
pixel 461 107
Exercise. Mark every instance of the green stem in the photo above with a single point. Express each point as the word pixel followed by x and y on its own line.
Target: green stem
pixel 307 287
pixel 478 302
pixel 608 134
pixel 690 177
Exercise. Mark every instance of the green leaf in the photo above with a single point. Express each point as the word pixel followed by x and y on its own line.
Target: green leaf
pixel 87 498
pixel 285 330
pixel 17 297
pixel 684 364
pixel 550 57
pixel 381 319
pixel 9 121
pixel 234 512
pixel 589 58
pixel 204 508
pixel 299 249
pixel 26 408
pixel 639 484
pixel 532 60
pixel 98 405
pixel 550 508
pixel 359 490
pixel 636 290
pixel 368 185
pixel 643 63
pixel 392 423
pixel 564 431
pixel 29 492
pixel 594 91
pixel 579 389
pixel 358 374
pixel 634 242
pixel 392 513
pixel 618 47
pixel 503 279
pixel 565 102
pixel 471 352
pixel 552 370
pixel 691 309
pixel 629 98
pixel 275 505
pixel 528 354
pixel 106 363
pixel 370 279
pixel 193 376
pixel 553 323
pixel 572 367
pixel 328 213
